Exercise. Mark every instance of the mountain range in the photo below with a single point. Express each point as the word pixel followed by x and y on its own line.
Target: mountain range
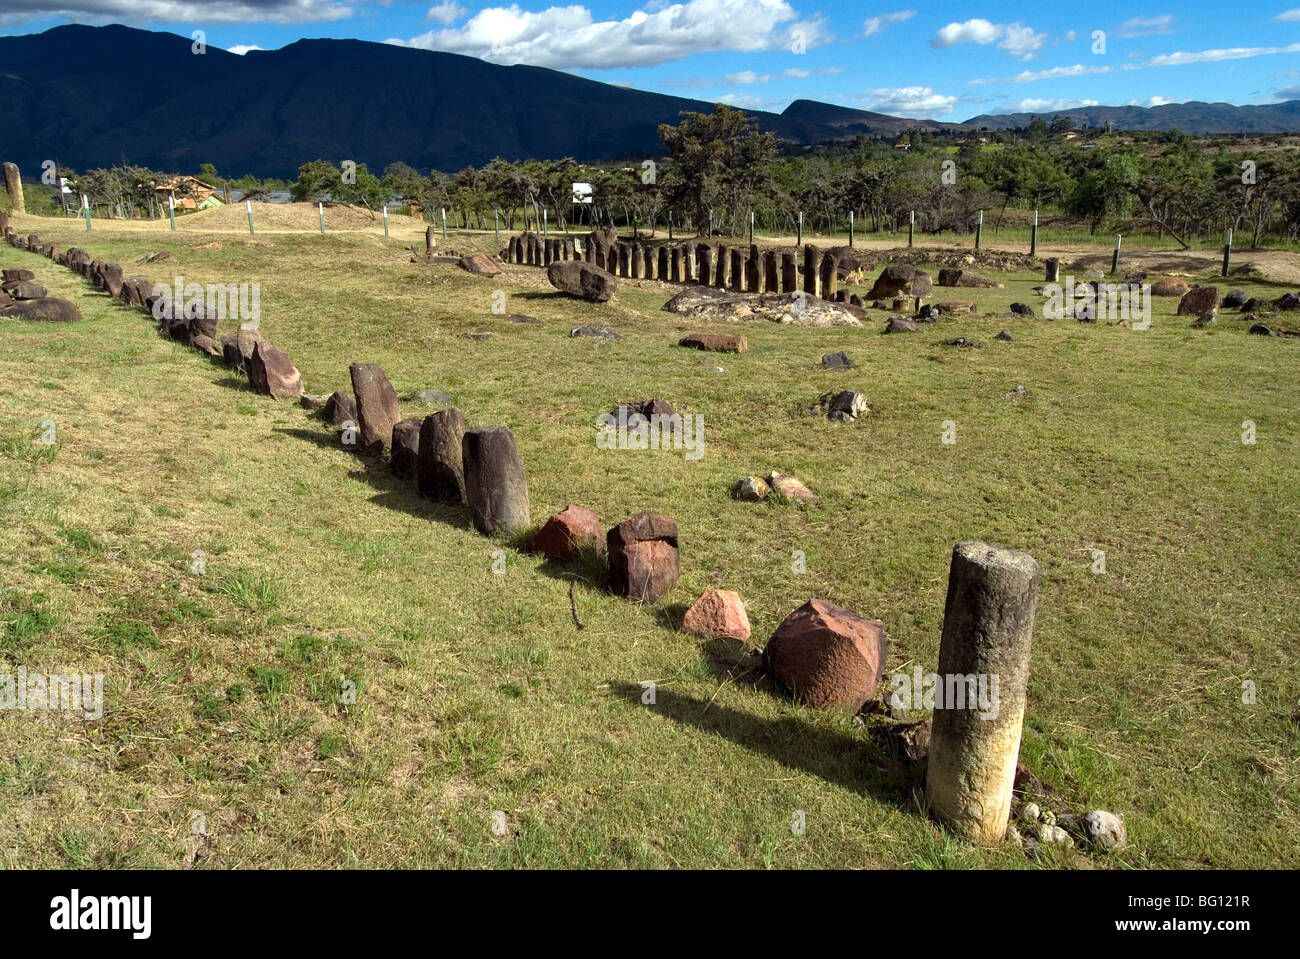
pixel 98 96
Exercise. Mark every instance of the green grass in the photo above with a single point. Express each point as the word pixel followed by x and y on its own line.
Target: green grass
pixel 474 691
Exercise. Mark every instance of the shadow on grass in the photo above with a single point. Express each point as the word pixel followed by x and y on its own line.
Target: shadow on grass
pixel 846 760
pixel 393 491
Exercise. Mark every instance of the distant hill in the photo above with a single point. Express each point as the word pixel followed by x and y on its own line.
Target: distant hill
pixel 1190 117
pixel 94 96
pixel 98 96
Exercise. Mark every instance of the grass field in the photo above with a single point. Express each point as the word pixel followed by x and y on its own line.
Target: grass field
pixel 475 691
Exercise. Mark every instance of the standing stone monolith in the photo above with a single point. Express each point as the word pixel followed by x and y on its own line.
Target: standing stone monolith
pixel 676 260
pixel 704 263
pixel 988 627
pixel 810 269
pixel 635 266
pixel 789 274
pixel 737 270
pixel 495 486
pixel 830 276
pixel 376 404
pixel 651 263
pixel 14 185
pixel 430 241
pixel 771 281
pixel 720 273
pixel 1052 271
pixel 663 263
pixel 438 471
pixel 753 274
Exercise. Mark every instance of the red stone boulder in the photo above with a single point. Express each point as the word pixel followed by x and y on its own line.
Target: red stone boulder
pixel 717 614
pixel 562 534
pixel 643 558
pixel 270 372
pixel 826 656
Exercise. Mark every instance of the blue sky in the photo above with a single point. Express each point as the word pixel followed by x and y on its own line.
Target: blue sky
pixel 947 62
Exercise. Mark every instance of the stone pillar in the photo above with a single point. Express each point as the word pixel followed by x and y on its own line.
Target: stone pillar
pixel 789 274
pixel 376 404
pixel 548 251
pixel 676 264
pixel 753 275
pixel 810 269
pixel 737 270
pixel 512 250
pixel 988 626
pixel 720 274
pixel 495 486
pixel 588 256
pixel 771 281
pixel 663 263
pixel 830 276
pixel 623 255
pixel 651 263
pixel 704 262
pixel 430 239
pixel 636 266
pixel 438 470
pixel 1052 272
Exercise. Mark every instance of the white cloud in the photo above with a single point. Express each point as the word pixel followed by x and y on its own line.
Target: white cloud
pixel 873 25
pixel 827 71
pixel 1029 76
pixel 569 37
pixel 916 102
pixel 96 12
pixel 1015 38
pixel 1146 26
pixel 1151 102
pixel 447 12
pixel 1289 15
pixel 1035 105
pixel 747 101
pixel 240 49
pixel 1287 93
pixel 796 73
pixel 746 77
pixel 1212 56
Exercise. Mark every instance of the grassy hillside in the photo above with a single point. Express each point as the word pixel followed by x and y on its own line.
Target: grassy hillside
pixel 476 692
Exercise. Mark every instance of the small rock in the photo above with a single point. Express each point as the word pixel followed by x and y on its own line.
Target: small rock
pixel 1102 829
pixel 1235 298
pixel 827 656
pixel 1260 330
pixel 790 487
pixel 964 343
pixel 1054 836
pixel 898 324
pixel 846 406
pixel 406 447
pixel 716 342
pixel 339 409
pixel 837 361
pixel 1005 336
pixel 1030 811
pixel 751 488
pixel 1023 309
pixel 717 614
pixel 643 557
pixel 1204 320
pixel 561 536
pixel 606 332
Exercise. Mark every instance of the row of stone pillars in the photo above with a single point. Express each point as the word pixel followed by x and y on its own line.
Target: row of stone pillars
pixel 735 268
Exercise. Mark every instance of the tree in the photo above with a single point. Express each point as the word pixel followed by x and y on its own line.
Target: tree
pixel 316 180
pixel 720 156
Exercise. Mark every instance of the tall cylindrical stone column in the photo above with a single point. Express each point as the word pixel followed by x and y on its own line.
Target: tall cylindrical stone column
pixel 720 274
pixel 771 281
pixel 438 470
pixel 988 627
pixel 810 269
pixel 830 276
pixel 737 270
pixel 676 264
pixel 664 273
pixel 1052 270
pixel 704 263
pixel 495 487
pixel 789 274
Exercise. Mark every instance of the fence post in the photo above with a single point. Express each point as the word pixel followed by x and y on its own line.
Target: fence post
pixel 171 211
pixel 979 229
pixel 911 226
pixel 850 229
pixel 85 203
pixel 442 210
pixel 1033 237
pixel 248 205
pixel 386 221
pixel 799 238
pixel 496 224
pixel 1227 250
pixel 1114 257
pixel 320 208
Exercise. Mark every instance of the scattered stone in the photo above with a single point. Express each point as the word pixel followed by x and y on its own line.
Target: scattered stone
pixel 270 372
pixel 430 398
pixel 563 534
pixel 716 342
pixel 1023 309
pixel 1104 830
pixel 751 488
pixel 1168 288
pixel 955 277
pixel 964 343
pixel 898 324
pixel 790 487
pixel 311 401
pixel 25 290
pixel 521 318
pixel 48 309
pixel 205 343
pixel 376 404
pixel 837 361
pixel 1005 336
pixel 406 447
pixel 643 557
pixel 1234 299
pixel 13 275
pixel 480 264
pixel 1260 330
pixel 1199 300
pixel 717 614
pixel 901 278
pixel 1054 836
pixel 495 486
pixel 1204 320
pixel 1030 812
pixel 909 740
pixel 827 656
pixel 339 409
pixel 440 472
pixel 1289 301
pixel 846 406
pixel 582 280
pixel 796 308
pixel 954 306
pixel 605 332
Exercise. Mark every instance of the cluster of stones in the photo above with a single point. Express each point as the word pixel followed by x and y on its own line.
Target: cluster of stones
pixel 21 297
